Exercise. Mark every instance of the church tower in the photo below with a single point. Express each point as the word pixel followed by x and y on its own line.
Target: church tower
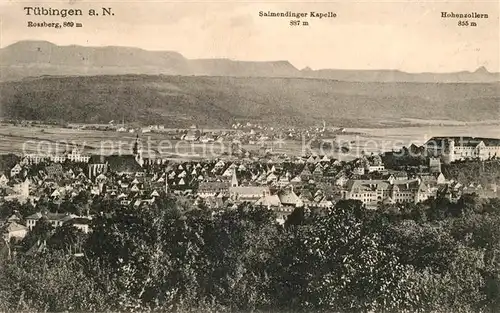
pixel 137 151
pixel 234 180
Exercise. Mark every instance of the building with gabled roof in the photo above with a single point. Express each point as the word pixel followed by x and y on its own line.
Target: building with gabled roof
pixel 323 202
pixel 213 188
pixel 288 197
pixel 373 192
pixel 450 149
pixel 248 193
pixel 54 219
pixel 14 230
pixel 3 180
pixel 306 174
pixel 269 201
pixel 15 170
pixel 54 171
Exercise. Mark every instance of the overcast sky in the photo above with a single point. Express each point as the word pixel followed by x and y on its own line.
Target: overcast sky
pixel 408 35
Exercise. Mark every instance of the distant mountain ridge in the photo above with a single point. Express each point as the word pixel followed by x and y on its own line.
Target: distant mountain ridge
pixel 38 58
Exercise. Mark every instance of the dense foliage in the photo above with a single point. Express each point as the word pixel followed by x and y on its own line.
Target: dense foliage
pixel 435 256
pixel 478 172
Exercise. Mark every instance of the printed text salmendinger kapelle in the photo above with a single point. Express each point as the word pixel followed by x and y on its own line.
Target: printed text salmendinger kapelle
pixel 312 14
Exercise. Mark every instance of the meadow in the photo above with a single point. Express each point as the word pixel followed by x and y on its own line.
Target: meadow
pixel 19 140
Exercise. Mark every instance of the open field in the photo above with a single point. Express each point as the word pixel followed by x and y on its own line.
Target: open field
pixel 15 139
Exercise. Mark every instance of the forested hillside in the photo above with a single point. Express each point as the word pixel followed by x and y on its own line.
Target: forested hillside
pixel 220 101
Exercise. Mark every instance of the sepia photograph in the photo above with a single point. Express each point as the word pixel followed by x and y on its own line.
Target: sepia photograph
pixel 268 156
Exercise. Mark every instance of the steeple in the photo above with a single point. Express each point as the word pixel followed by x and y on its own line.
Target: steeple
pixel 137 151
pixel 234 179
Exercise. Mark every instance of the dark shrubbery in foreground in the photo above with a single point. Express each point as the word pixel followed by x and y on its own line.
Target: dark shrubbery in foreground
pixel 431 257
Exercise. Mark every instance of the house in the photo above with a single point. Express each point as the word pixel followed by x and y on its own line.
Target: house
pixel 15 170
pixel 269 201
pixel 311 159
pixel 23 188
pixel 15 217
pixel 54 219
pixel 306 174
pixel 271 178
pixel 323 202
pixel 80 223
pixel 318 172
pixel 341 181
pixel 54 171
pixel 289 198
pixel 282 213
pixel 283 181
pixel 359 170
pixel 248 193
pixel 433 178
pixel 14 230
pixel 206 139
pixel 191 135
pixel 306 197
pixel 3 180
pixel 396 175
pixel 296 180
pixel 434 165
pixel 375 168
pixel 212 188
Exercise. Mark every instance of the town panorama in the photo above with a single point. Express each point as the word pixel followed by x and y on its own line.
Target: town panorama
pixel 284 157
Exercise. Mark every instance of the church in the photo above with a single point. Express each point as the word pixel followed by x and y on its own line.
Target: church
pixel 126 164
pixel 246 193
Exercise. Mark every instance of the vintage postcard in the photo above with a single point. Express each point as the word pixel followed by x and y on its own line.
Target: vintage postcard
pixel 249 156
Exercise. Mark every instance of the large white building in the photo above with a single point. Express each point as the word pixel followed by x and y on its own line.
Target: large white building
pixel 451 149
pixel 33 158
pixel 76 156
pixel 59 219
pixel 373 192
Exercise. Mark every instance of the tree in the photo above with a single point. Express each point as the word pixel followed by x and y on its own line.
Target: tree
pixel 337 261
pixel 468 204
pixel 40 233
pixel 52 282
pixel 67 238
pixel 241 244
pixel 295 218
pixel 8 208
